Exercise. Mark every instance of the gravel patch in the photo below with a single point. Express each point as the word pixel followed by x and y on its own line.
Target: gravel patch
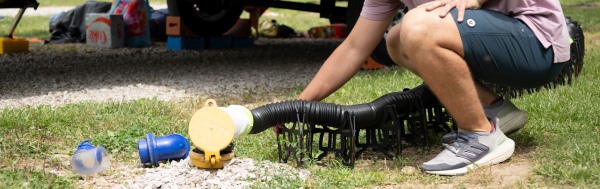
pixel 61 74
pixel 238 173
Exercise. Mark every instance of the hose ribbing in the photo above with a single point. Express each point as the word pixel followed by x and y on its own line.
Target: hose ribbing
pixel 321 113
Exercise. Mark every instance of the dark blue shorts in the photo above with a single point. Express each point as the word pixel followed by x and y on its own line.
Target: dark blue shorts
pixel 502 50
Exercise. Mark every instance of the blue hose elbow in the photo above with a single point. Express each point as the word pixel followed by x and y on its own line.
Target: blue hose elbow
pixel 170 147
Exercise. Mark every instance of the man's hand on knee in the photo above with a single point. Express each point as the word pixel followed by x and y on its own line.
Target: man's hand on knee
pixel 447 5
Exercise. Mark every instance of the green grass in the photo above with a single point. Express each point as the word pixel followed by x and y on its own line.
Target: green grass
pixel 564 123
pixel 564 130
pixel 290 17
pixel 586 12
pixel 562 138
pixel 50 3
pixel 103 123
pixel 30 26
pixel 37 26
pixel 32 179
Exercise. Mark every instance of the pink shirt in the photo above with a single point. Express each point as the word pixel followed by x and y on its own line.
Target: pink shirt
pixel 544 17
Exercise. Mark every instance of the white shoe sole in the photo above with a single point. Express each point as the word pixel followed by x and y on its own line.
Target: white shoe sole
pixel 502 153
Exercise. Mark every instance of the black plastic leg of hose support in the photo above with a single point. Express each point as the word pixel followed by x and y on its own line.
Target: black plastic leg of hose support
pixel 384 138
pixel 384 125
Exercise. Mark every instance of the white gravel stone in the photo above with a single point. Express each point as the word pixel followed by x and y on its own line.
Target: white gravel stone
pixel 238 173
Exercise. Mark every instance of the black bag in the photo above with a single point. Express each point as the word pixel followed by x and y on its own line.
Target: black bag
pixel 69 27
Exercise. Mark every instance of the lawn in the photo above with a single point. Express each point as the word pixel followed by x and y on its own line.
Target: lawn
pixel 37 26
pixel 49 3
pixel 560 144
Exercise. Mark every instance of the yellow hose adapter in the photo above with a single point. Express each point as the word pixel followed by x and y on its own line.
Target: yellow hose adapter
pixel 211 130
pixel 199 160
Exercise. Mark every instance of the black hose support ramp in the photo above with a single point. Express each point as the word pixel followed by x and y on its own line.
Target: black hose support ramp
pixel 384 124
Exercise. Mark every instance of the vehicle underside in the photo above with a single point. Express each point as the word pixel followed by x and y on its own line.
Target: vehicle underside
pixel 216 17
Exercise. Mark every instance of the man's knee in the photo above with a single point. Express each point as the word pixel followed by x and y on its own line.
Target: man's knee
pixel 407 35
pixel 393 37
pixel 393 44
pixel 417 24
pixel 426 29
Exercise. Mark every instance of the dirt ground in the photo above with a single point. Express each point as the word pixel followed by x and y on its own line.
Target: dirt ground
pixel 517 172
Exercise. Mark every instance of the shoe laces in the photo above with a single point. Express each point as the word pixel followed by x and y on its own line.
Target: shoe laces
pixel 462 139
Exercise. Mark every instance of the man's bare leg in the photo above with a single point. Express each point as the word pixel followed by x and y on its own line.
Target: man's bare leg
pixel 486 96
pixel 432 48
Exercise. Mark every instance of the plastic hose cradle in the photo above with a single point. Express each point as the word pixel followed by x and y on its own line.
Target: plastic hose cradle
pixel 321 113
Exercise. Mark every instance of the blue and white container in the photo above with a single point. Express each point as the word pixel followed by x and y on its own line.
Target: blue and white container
pixel 89 159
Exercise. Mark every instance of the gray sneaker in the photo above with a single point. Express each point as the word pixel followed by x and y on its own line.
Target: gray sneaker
pixel 511 118
pixel 469 150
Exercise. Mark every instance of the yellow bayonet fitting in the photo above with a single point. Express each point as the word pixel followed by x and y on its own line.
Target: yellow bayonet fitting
pixel 211 129
pixel 199 160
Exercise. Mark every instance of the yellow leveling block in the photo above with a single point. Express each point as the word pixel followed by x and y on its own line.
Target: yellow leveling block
pixel 211 130
pixel 8 45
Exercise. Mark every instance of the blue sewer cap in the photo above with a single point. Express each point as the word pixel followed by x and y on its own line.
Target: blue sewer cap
pixel 84 145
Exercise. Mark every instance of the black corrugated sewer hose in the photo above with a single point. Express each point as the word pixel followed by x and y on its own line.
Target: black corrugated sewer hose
pixel 321 113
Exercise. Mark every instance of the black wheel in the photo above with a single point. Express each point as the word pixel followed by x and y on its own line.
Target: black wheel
pixel 380 53
pixel 206 17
